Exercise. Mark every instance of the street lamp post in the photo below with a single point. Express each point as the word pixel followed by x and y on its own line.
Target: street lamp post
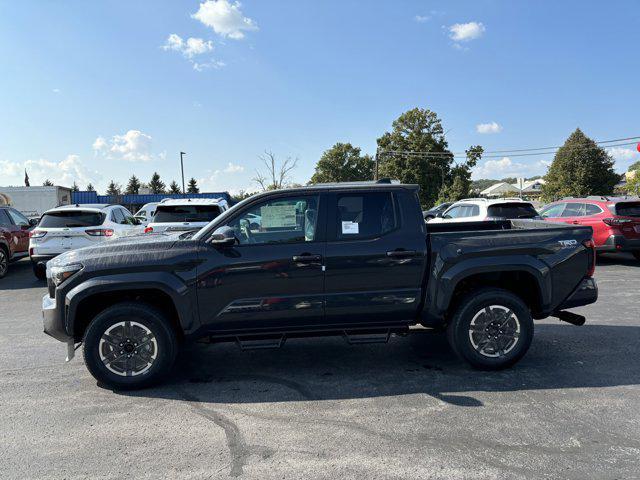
pixel 182 170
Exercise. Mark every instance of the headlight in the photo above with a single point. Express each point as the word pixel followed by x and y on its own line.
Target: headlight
pixel 61 273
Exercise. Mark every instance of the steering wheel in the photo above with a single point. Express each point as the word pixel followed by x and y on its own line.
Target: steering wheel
pixel 245 230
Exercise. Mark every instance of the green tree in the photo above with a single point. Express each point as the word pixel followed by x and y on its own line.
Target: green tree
pixel 74 187
pixel 458 185
pixel 343 163
pixel 174 187
pixel 113 188
pixel 416 151
pixel 90 188
pixel 633 180
pixel 634 166
pixel 133 186
pixel 47 183
pixel 155 184
pixel 192 186
pixel 580 168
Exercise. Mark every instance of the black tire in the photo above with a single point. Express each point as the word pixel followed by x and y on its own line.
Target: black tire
pixel 636 253
pixel 472 305
pixel 4 262
pixel 165 346
pixel 40 271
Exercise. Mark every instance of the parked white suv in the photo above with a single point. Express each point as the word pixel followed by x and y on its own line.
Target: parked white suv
pixel 74 226
pixel 480 209
pixel 146 213
pixel 187 214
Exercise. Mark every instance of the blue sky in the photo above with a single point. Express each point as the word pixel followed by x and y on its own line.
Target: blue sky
pixel 103 89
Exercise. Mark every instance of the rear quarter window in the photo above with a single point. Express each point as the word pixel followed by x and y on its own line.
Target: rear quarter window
pixel 512 211
pixel 70 219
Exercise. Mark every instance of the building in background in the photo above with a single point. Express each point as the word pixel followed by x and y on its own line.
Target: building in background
pixel 523 188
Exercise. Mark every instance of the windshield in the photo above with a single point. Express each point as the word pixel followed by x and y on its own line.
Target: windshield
pixel 627 209
pixel 512 211
pixel 71 218
pixel 186 213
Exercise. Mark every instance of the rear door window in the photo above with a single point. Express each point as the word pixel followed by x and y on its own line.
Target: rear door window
pixel 553 211
pixel 365 215
pixel 71 218
pixel 186 213
pixel 512 211
pixel 591 209
pixel 4 219
pixel 628 209
pixel 574 209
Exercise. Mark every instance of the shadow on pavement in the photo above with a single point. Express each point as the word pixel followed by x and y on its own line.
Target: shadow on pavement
pixel 562 357
pixel 625 259
pixel 20 276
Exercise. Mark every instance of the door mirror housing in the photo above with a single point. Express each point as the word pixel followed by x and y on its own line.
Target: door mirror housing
pixel 223 237
pixel 33 222
pixel 439 215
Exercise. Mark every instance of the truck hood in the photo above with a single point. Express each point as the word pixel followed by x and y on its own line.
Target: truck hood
pixel 130 250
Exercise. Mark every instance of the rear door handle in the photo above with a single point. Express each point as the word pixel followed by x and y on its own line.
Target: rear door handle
pixel 402 253
pixel 307 258
pixel 576 222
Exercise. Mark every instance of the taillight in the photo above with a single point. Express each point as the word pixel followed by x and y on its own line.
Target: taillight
pixel 148 230
pixel 591 268
pixel 616 222
pixel 99 232
pixel 37 233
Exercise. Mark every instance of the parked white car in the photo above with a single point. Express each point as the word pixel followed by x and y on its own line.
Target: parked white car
pixel 146 213
pixel 75 226
pixel 481 209
pixel 186 214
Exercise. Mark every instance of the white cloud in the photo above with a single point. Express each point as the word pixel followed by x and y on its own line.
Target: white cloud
pixel 56 90
pixel 422 18
pixel 133 146
pixel 225 18
pixel 65 172
pixel 228 178
pixel 505 167
pixel 190 47
pixel 624 157
pixel 465 32
pixel 213 64
pixel 233 168
pixel 491 127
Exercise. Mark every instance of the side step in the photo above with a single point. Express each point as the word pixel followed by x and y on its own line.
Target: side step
pixel 260 343
pixel 374 336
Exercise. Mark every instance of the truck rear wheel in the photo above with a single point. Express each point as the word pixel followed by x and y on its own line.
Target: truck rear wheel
pixel 491 329
pixel 129 346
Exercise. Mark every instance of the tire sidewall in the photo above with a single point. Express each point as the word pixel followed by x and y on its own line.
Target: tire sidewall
pixel 470 306
pixel 4 260
pixel 145 315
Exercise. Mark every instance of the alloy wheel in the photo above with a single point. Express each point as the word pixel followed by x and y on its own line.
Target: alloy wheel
pixel 494 331
pixel 128 348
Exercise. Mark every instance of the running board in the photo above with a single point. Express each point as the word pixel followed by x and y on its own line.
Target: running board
pixel 253 343
pixel 569 317
pixel 358 338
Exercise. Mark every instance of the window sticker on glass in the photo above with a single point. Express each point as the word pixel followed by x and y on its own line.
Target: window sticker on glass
pixel 278 216
pixel 350 228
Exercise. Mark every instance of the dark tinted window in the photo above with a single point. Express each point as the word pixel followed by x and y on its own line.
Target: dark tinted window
pixel 71 218
pixel 186 213
pixel 18 218
pixel 592 209
pixel 364 215
pixel 574 209
pixel 628 209
pixel 512 211
pixel 4 218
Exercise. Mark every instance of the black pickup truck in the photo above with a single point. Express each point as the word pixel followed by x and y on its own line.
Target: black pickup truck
pixel 349 259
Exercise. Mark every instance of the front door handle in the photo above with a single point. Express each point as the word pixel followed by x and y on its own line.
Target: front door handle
pixel 402 253
pixel 307 258
pixel 576 222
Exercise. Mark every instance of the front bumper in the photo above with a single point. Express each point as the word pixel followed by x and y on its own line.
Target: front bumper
pixel 53 319
pixel 619 243
pixel 586 293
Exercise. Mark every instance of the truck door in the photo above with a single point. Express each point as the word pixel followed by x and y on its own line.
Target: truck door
pixel 273 278
pixel 374 257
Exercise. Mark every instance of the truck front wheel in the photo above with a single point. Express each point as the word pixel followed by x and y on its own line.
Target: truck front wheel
pixel 491 329
pixel 129 346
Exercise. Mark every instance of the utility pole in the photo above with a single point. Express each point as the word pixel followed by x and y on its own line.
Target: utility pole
pixel 377 161
pixel 182 169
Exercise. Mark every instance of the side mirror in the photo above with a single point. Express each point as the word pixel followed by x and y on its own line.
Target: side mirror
pixel 223 237
pixel 33 222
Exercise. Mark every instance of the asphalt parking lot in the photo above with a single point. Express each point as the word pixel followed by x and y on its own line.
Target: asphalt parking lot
pixel 321 408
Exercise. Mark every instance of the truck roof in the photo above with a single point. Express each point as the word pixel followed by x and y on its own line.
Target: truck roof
pixel 382 184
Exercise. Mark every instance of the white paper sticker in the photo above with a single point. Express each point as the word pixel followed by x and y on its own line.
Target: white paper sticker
pixel 278 216
pixel 350 228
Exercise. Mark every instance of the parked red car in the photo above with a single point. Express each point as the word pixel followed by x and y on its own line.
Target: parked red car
pixel 14 237
pixel 615 221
